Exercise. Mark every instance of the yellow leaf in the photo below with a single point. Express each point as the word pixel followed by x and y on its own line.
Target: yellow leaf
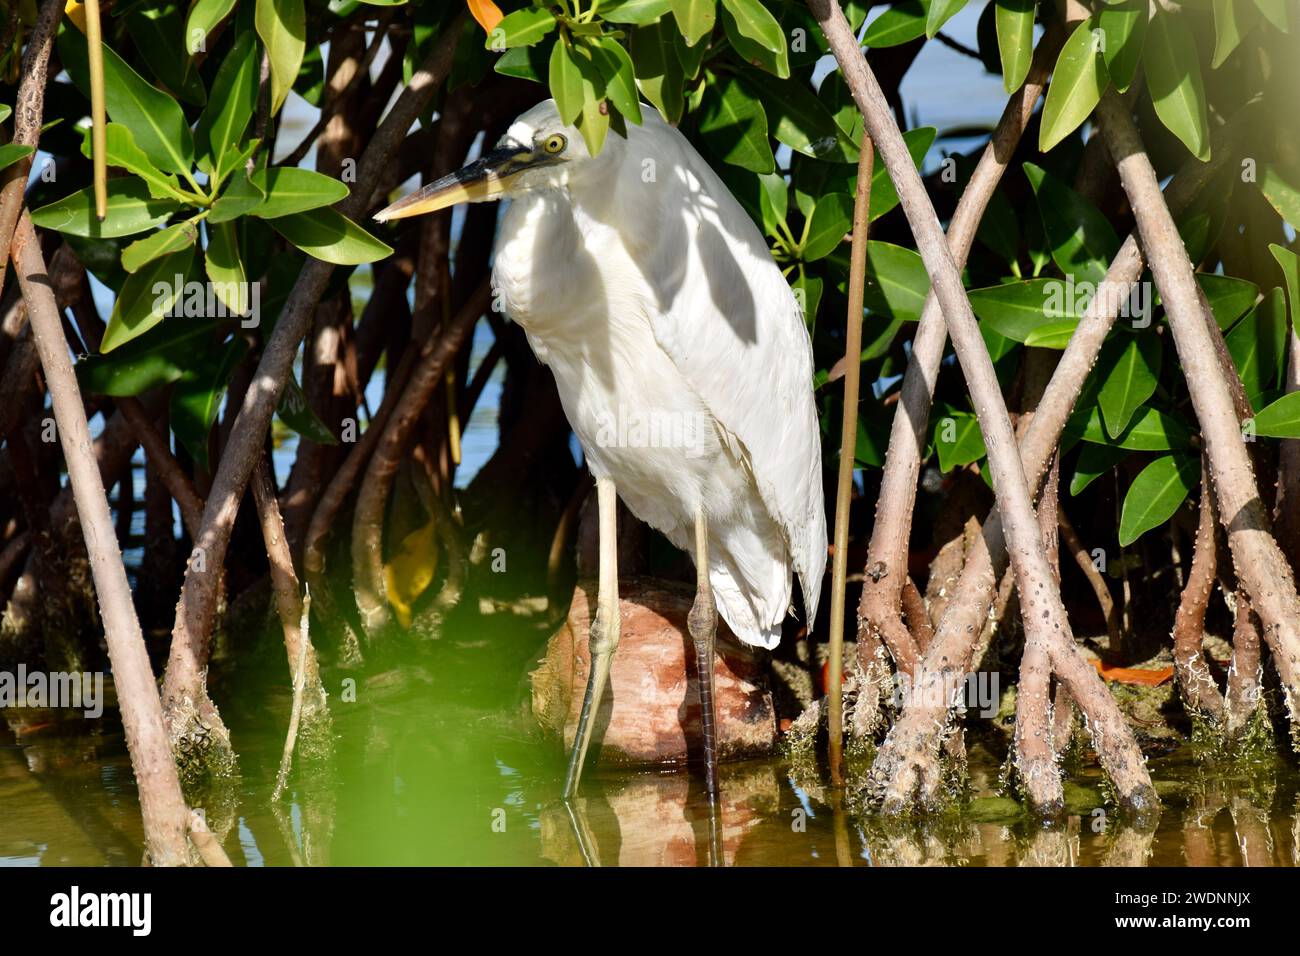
pixel 76 12
pixel 410 570
pixel 486 13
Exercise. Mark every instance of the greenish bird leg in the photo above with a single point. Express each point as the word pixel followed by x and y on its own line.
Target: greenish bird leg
pixel 702 622
pixel 605 628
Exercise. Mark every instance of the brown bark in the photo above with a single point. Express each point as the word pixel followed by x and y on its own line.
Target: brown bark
pixel 346 80
pixel 20 382
pixel 11 556
pixel 304 670
pixel 29 107
pixel 954 528
pixel 324 375
pixel 325 383
pixel 916 615
pixel 154 442
pixel 1200 694
pixel 1083 559
pixel 1261 567
pixel 341 485
pixel 205 843
pixel 1243 694
pixel 368 520
pixel 1042 611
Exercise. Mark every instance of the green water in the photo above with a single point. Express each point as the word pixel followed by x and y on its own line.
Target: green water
pixel 437 763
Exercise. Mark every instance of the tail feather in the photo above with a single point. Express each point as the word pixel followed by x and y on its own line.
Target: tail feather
pixel 751 578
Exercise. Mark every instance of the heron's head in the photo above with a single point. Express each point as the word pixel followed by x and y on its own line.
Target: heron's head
pixel 538 151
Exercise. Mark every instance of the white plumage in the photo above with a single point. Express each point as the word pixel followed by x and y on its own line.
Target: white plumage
pixel 679 351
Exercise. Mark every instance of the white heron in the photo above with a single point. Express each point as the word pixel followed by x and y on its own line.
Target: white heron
pixel 644 286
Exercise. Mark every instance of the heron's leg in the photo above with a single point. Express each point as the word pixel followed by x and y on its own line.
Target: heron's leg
pixel 605 628
pixel 702 622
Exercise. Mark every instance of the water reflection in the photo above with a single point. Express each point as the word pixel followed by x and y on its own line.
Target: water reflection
pixel 420 780
pixel 659 819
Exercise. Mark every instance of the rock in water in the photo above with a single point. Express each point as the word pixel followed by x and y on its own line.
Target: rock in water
pixel 651 711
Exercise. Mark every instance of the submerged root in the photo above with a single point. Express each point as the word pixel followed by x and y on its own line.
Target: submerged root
pixel 201 744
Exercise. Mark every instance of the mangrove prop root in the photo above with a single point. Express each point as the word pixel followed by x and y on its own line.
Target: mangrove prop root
pixel 367 522
pixel 1042 612
pixel 304 670
pixel 161 802
pixel 1245 675
pixel 1261 567
pixel 1035 760
pixel 1200 694
pixel 904 763
pixel 184 681
pixel 882 591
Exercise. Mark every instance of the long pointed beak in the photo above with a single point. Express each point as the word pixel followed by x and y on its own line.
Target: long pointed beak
pixel 487 178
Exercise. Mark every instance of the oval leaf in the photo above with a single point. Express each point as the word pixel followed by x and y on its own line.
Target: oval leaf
pixel 1155 495
pixel 940 12
pixel 289 190
pixel 734 126
pixel 205 15
pixel 1014 20
pixel 282 25
pixel 634 11
pixel 695 18
pixel 521 28
pixel 130 210
pixel 234 99
pixel 1281 419
pixel 566 82
pixel 1133 364
pixel 1173 72
pixel 146 298
pixel 1017 309
pixel 1076 87
pixel 756 23
pixel 831 220
pixel 155 119
pixel 161 243
pixel 1124 27
pixel 620 82
pixel 330 236
pixel 901 23
pixel 1081 240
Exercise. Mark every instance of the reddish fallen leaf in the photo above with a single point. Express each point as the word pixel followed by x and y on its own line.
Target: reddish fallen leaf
pixel 825 675
pixel 1134 675
pixel 486 13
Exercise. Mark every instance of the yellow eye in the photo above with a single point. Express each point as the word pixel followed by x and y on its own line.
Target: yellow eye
pixel 554 143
